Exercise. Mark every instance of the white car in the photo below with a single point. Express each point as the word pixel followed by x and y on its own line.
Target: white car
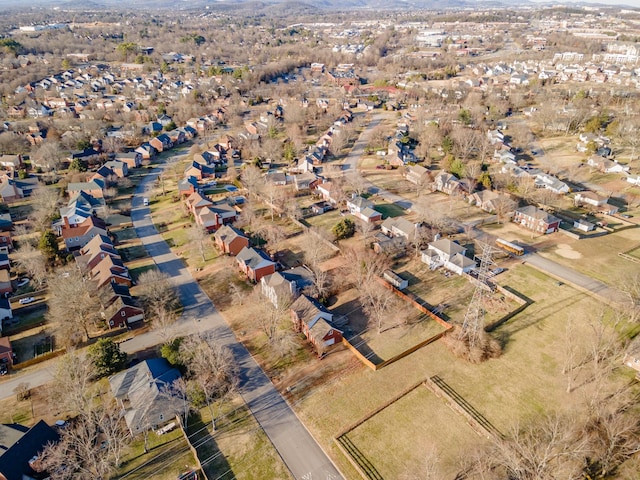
pixel 26 300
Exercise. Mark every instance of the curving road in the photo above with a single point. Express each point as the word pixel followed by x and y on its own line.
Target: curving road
pixel 302 455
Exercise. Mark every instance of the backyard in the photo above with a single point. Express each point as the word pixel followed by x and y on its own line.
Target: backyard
pixel 524 381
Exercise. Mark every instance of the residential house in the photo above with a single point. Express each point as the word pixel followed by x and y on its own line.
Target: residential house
pixel 363 209
pixel 634 179
pixel 312 319
pixel 11 162
pixel 5 263
pixel 79 208
pixel 122 312
pixel 77 236
pixel 10 190
pixel 94 187
pixel 140 393
pixel 595 201
pixel 110 269
pixel 447 183
pixel 94 251
pixel 5 280
pixel 6 227
pixel 87 155
pixel 188 185
pixel 104 174
pixel 21 447
pixel 196 201
pixel 110 292
pixel 214 216
pixel 448 254
pixel 199 171
pixel 177 136
pixel 254 263
pixel 418 175
pixel 6 313
pixel 536 220
pixel 276 178
pixel 119 168
pixel 489 200
pixel 330 192
pixel 146 150
pixel 606 166
pixel 229 240
pixel 399 227
pixel 131 159
pixel 7 357
pixel 392 246
pixel 161 143
pixel 305 181
pixel 282 288
pixel 549 182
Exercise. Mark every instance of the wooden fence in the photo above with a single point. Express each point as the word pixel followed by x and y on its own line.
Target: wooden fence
pixel 202 473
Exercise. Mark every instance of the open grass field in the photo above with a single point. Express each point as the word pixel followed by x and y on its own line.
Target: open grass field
pixel 526 380
pixel 597 257
pixel 414 419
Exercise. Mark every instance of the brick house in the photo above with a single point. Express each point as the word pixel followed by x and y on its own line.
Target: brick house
pixel 316 322
pixel 254 263
pixel 122 312
pixel 229 240
pixel 537 220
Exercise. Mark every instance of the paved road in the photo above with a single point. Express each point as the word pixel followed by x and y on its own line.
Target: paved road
pixel 299 451
pixel 570 276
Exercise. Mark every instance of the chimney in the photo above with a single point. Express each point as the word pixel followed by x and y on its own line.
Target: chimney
pixel 66 222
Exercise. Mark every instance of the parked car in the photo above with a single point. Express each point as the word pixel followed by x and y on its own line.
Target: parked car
pixel 26 300
pixel 497 271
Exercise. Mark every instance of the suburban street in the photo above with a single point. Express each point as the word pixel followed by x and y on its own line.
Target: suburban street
pixel 302 455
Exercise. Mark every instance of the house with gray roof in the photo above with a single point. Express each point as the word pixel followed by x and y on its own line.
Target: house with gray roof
pixel 141 392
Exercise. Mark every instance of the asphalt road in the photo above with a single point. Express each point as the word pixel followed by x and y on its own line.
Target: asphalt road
pixel 302 455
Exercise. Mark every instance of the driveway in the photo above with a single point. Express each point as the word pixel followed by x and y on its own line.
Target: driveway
pixel 302 455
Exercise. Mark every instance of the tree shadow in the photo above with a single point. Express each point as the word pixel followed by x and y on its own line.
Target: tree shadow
pixel 213 462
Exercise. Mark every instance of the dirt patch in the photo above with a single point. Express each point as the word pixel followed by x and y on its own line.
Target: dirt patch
pixel 565 250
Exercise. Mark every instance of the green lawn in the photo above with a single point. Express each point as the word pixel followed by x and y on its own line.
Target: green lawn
pixel 390 210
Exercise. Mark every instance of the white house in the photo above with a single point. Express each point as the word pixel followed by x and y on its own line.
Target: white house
pixel 447 254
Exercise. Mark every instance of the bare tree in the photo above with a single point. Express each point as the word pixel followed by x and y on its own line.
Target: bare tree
pixel 71 307
pixel 156 289
pixel 31 260
pixel 503 207
pixel 364 266
pixel 545 449
pixel 252 180
pixel 199 236
pixel 212 367
pixel 49 155
pixel 72 390
pixel 45 202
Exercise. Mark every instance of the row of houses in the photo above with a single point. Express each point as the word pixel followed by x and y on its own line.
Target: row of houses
pixel 101 264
